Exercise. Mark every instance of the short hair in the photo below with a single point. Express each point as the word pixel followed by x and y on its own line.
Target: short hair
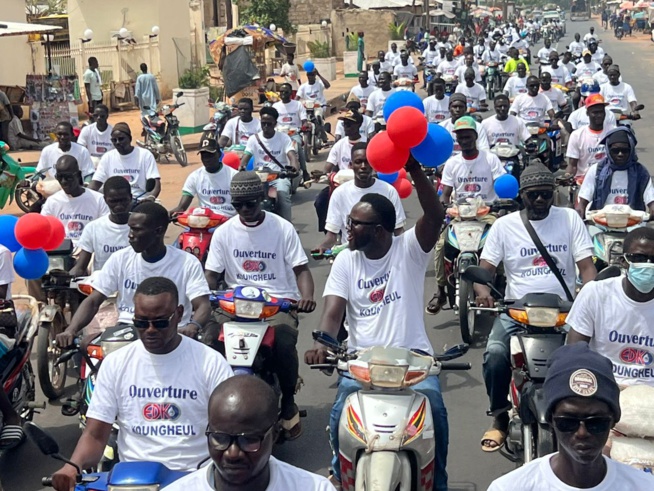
pixel 383 208
pixel 270 111
pixel 156 285
pixel 143 67
pixel 438 80
pixel 359 146
pixel 102 107
pixel 65 124
pixel 157 214
pixel 501 97
pixel 284 85
pixel 117 183
pixel 640 234
pixel 92 58
pixel 469 72
pixel 248 101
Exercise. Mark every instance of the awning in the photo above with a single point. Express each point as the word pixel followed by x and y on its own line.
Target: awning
pixel 20 28
pixel 439 12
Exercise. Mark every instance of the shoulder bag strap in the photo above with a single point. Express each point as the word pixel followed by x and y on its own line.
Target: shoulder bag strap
pixel 545 254
pixel 263 147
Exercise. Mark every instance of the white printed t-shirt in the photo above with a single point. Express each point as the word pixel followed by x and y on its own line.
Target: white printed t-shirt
pixel 619 188
pixel 315 92
pixel 362 93
pixel 538 475
pixel 102 238
pixel 436 110
pixel 367 128
pixel 125 270
pixel 408 71
pixel 579 118
pixel 473 177
pixel 6 269
pixel 377 100
pixel 137 167
pixel 563 234
pixel 619 327
pixel 279 146
pixel 348 194
pixel 340 154
pixel 263 256
pixel 75 213
pixel 556 97
pixel 531 109
pixel 512 130
pixel 239 132
pixel 447 67
pixel 51 153
pixel 283 477
pixel 95 141
pixel 584 145
pixel 212 189
pixel 620 95
pixel 159 401
pixel 384 296
pixel 291 114
pixel 560 75
pixel 515 86
pixel 474 95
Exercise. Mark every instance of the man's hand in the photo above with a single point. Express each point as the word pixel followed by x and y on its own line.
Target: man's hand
pixel 316 356
pixel 65 478
pixel 484 300
pixel 190 330
pixel 306 305
pixel 66 338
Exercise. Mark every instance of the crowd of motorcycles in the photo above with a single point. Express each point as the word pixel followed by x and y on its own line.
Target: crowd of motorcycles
pixel 396 454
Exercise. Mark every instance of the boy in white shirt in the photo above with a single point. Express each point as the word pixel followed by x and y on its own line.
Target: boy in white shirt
pixel 238 130
pixel 314 88
pixel 363 90
pixel 64 146
pixel 340 155
pixel 504 127
pixel 437 106
pixel 619 94
pixel 291 73
pixel 377 99
pixel 475 93
pixel 96 137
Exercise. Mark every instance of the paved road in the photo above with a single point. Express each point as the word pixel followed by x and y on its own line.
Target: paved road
pixel 469 469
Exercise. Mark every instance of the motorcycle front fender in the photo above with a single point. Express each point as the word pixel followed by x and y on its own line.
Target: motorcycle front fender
pixel 383 471
pixel 534 401
pixel 48 313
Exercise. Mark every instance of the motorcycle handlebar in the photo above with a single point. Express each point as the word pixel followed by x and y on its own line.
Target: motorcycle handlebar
pixel 448 365
pixel 46 481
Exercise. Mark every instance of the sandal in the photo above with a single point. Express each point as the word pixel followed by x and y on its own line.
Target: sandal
pixel 436 304
pixel 11 436
pixel 495 436
pixel 292 428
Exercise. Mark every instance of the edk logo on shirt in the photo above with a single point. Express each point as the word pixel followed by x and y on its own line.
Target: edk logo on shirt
pixel 254 266
pixel 636 356
pixel 155 411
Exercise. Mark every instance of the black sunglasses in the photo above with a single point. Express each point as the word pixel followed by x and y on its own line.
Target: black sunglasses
pixel 533 195
pixel 351 222
pixel 267 123
pixel 595 425
pixel 250 204
pixel 638 258
pixel 156 323
pixel 619 150
pixel 248 443
pixel 63 176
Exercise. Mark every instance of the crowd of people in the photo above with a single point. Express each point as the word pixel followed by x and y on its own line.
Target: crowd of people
pixel 233 421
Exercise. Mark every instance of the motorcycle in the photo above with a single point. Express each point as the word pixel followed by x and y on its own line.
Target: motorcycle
pixel 544 144
pixel 199 225
pixel 315 137
pixel 267 176
pixel 623 119
pixel 386 431
pixel 404 83
pixel 619 33
pixel 510 156
pixel 222 113
pixel 450 84
pixel 541 317
pixel 12 181
pixel 493 79
pixel 126 476
pixel 162 136
pixel 465 239
pixel 567 189
pixel 608 227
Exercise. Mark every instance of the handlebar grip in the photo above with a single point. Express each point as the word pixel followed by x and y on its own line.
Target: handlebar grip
pixel 446 365
pixel 46 481
pixel 321 366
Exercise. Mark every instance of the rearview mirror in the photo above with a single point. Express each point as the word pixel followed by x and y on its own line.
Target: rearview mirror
pixel 455 351
pixel 179 94
pixel 477 274
pixel 326 340
pixel 41 438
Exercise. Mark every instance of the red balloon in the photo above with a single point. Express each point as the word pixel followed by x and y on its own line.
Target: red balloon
pixel 403 188
pixel 32 231
pixel 231 159
pixel 384 156
pixel 402 173
pixel 407 127
pixel 57 234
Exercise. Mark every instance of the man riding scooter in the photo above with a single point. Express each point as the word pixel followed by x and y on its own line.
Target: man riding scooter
pixel 293 114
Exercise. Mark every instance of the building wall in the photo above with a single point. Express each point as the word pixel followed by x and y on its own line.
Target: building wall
pixel 16 51
pixel 309 11
pixel 373 23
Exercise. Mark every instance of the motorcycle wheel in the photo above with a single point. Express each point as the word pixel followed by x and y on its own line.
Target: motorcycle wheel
pixel 178 150
pixel 467 316
pixel 26 197
pixel 545 443
pixel 316 145
pixel 491 87
pixel 306 139
pixel 52 379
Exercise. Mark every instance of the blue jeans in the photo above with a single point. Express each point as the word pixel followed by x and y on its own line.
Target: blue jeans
pixel 431 388
pixel 297 138
pixel 283 187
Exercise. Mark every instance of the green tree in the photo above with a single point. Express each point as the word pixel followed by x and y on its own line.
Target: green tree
pixel 266 12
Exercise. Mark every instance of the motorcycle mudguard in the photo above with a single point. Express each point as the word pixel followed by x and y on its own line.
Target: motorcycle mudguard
pixel 48 313
pixel 383 471
pixel 191 240
pixel 533 405
pixel 465 260
pixel 537 350
pixel 144 473
pixel 243 340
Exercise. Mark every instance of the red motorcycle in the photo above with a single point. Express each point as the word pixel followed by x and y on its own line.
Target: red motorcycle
pixel 199 225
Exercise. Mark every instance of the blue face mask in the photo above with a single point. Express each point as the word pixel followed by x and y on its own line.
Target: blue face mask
pixel 641 275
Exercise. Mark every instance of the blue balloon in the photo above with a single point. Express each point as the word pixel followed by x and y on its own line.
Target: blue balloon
pixel 7 236
pixel 436 148
pixel 31 264
pixel 400 99
pixel 506 186
pixel 250 165
pixel 389 178
pixel 309 66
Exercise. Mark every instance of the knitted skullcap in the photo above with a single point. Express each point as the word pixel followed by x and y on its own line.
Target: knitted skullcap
pixel 246 185
pixel 536 174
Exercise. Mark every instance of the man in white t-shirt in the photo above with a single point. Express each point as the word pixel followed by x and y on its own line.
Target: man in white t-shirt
pixel 340 155
pixel 148 256
pixel 579 389
pixel 156 390
pixel 314 88
pixel 533 107
pixel 210 183
pixel 243 428
pixel 475 93
pixel 64 146
pixel 554 94
pixel 135 164
pixel 363 90
pixel 348 194
pixel 517 83
pixel 96 137
pixel 587 67
pixel 431 59
pixel 504 127
pixel 293 114
pixel 458 107
pixel 291 73
pixel 376 101
pixel 367 129
pixel 437 106
pixel 448 66
pixel 93 84
pixel 584 146
pixel 75 206
pixel 543 55
pixel 603 76
pixel 404 69
pixel 261 250
pixel 590 36
pixel 579 117
pixel 274 150
pixel 615 315
pixel 558 73
pixel 597 53
pixel 385 65
pixel 238 130
pixel 576 47
pixel 565 237
pixel 377 285
pixel 392 56
pixel 468 63
pixel 619 94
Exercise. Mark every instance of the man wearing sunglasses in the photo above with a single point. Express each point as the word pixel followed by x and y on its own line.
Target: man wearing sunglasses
pixel 241 435
pixel 566 240
pixel 603 76
pixel 583 404
pixel 262 250
pixel 156 390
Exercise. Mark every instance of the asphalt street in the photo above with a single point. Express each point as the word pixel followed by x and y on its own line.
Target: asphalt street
pixel 464 392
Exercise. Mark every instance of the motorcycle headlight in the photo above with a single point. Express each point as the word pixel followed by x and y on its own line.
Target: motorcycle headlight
pixel 539 316
pixel 195 221
pixel 467 211
pixel 387 376
pixel 56 262
pixel 248 309
pixel 533 129
pixel 111 346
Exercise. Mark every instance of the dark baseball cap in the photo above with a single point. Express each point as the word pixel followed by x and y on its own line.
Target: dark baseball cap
pixel 208 144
